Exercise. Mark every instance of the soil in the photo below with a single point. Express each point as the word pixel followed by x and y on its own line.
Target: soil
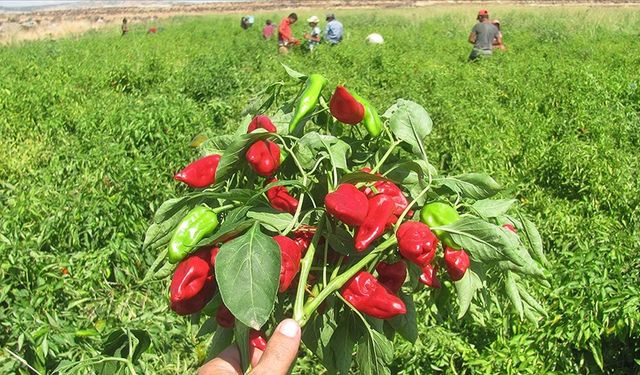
pixel 20 26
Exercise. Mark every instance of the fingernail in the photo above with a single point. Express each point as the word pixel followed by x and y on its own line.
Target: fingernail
pixel 289 328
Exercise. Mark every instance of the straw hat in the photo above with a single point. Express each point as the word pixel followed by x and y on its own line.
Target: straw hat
pixel 313 19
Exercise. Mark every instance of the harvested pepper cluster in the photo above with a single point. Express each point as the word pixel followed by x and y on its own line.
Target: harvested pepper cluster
pixel 327 212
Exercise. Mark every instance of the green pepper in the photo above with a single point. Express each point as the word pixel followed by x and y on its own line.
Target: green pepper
pixel 437 214
pixel 307 101
pixel 371 120
pixel 198 222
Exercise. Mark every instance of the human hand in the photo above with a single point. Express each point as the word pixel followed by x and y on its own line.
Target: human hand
pixel 280 353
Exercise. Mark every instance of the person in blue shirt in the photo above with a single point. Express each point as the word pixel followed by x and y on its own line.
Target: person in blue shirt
pixel 334 30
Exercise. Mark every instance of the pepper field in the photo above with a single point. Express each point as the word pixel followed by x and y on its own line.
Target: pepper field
pixel 92 129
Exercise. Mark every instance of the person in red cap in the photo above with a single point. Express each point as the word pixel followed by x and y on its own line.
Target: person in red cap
pixel 482 36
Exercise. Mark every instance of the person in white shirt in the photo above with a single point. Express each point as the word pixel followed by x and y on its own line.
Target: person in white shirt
pixel 313 38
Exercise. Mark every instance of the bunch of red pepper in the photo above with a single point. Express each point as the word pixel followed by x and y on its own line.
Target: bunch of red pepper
pixel 361 245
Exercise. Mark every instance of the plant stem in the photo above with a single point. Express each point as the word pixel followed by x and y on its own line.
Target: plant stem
pixel 339 281
pixel 406 210
pixel 385 156
pixel 223 208
pixel 298 306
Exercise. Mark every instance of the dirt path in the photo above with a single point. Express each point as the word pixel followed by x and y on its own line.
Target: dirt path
pixel 15 27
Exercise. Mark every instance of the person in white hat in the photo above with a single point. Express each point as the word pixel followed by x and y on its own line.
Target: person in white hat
pixel 313 38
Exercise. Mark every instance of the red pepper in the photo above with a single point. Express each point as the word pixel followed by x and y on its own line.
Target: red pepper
pixel 457 262
pixel 345 107
pixel 224 317
pixel 264 157
pixel 370 297
pixel 280 199
pixel 416 242
pixel 261 122
pixel 368 170
pixel 257 340
pixel 510 227
pixel 366 189
pixel 193 283
pixel 200 173
pixel 394 192
pixel 290 265
pixel 429 277
pixel 303 236
pixel 392 275
pixel 347 204
pixel 375 223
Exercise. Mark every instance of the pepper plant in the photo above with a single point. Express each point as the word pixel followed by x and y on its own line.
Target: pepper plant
pixel 322 210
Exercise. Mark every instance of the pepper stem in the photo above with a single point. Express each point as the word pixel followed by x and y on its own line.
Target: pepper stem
pixel 385 156
pixel 298 306
pixel 217 210
pixel 339 281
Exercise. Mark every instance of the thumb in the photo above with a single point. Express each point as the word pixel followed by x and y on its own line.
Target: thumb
pixel 281 350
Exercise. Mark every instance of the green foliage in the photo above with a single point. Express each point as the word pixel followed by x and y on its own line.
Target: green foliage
pixel 92 128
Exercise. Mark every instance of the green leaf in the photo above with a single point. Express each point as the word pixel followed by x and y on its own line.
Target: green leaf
pixel 484 241
pixel 281 120
pixel 219 342
pixel 532 237
pixel 313 145
pixel 411 123
pixel 241 335
pixel 234 223
pixel 120 342
pixel 340 240
pixel 412 175
pixel 339 351
pixel 317 333
pixel 488 208
pixel 466 288
pixel 234 154
pixel 263 100
pixel 209 325
pixel 471 185
pixel 159 235
pixel 596 350
pixel 160 260
pixel 226 233
pixel 248 273
pixel 512 292
pixel 171 208
pixel 374 353
pixel 355 177
pixel 293 73
pixel 528 298
pixel 217 144
pixel 406 324
pixel 271 218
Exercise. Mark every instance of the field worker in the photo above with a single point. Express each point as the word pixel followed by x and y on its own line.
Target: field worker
pixel 268 30
pixel 245 22
pixel 313 37
pixel 285 35
pixel 125 26
pixel 334 30
pixel 497 41
pixel 482 36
